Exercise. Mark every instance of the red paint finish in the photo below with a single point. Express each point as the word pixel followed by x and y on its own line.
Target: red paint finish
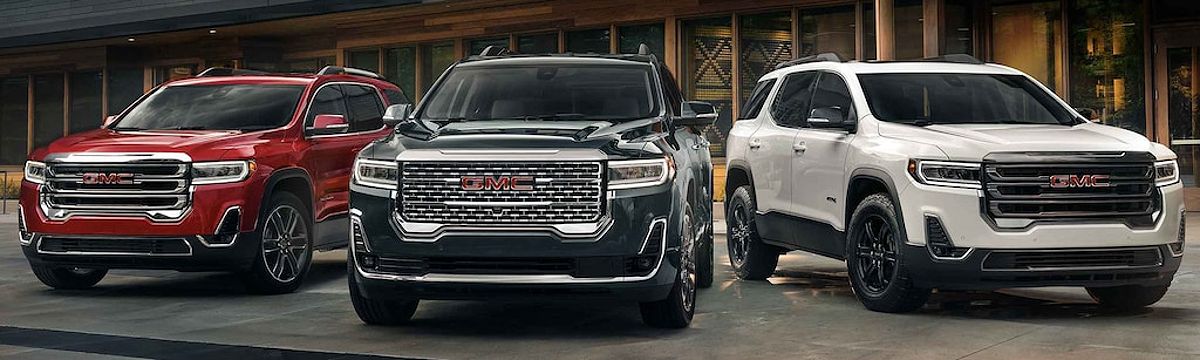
pixel 327 161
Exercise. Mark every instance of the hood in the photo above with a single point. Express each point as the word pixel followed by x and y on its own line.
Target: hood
pixel 629 139
pixel 200 145
pixel 971 142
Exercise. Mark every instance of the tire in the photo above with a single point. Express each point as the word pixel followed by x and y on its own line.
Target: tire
pixel 273 272
pixel 68 278
pixel 377 312
pixel 1128 297
pixel 873 258
pixel 704 261
pixel 677 310
pixel 750 258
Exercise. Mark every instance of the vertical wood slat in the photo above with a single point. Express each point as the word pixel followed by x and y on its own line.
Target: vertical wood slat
pixel 1148 75
pixel 859 32
pixel 671 46
pixel 885 34
pixel 1064 78
pixel 66 121
pixel 932 26
pixel 103 93
pixel 29 114
pixel 614 47
pixel 736 65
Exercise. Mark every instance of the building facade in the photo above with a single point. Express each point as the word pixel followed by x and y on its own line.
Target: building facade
pixel 65 65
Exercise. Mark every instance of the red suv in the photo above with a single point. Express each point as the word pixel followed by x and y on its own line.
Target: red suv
pixel 232 170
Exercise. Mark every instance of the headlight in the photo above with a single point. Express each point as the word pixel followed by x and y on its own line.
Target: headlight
pixel 221 172
pixel 35 172
pixel 376 174
pixel 629 174
pixel 1166 172
pixel 946 173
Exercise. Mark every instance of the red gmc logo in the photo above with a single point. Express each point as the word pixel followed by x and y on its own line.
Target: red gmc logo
pixel 1079 181
pixel 107 178
pixel 515 183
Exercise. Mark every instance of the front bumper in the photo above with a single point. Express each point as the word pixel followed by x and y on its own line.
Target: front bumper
pixel 970 273
pixel 472 262
pixel 197 257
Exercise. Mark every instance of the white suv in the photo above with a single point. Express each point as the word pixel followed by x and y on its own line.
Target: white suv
pixel 949 174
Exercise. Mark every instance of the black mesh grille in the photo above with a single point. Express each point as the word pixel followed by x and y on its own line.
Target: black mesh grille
pixel 1072 259
pixel 1050 191
pixel 163 246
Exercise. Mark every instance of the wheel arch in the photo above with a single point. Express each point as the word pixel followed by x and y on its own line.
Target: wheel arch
pixel 737 173
pixel 865 182
pixel 293 180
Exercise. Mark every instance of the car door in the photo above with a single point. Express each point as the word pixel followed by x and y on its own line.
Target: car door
pixel 769 149
pixel 818 170
pixel 330 157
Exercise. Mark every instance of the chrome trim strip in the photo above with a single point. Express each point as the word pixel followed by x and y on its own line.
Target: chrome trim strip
pixel 22 230
pixel 432 232
pixel 548 279
pixel 217 229
pixel 74 253
pixel 649 231
pixel 112 157
pixel 1074 268
pixel 500 155
pixel 970 250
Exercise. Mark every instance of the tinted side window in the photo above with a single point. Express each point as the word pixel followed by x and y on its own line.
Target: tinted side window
pixel 328 101
pixel 791 104
pixel 671 91
pixel 832 92
pixel 364 106
pixel 757 98
pixel 395 97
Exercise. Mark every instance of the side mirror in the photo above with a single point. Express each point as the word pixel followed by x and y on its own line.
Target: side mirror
pixel 1088 113
pixel 396 114
pixel 697 113
pixel 326 124
pixel 828 117
pixel 108 120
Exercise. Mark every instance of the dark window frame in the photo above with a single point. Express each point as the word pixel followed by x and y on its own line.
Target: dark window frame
pixel 758 99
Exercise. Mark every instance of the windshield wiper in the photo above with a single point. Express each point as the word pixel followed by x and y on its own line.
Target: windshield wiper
pixel 567 116
pixel 188 128
pixel 124 128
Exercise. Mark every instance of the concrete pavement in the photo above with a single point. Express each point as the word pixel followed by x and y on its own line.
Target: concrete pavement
pixel 806 311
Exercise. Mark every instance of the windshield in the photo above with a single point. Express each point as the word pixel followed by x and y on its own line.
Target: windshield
pixel 924 99
pixel 546 92
pixel 214 107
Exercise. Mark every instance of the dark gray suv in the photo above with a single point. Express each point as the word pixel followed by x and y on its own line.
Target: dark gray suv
pixel 535 176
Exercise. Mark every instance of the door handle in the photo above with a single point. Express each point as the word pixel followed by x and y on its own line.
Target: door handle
pixel 700 144
pixel 799 147
pixel 755 143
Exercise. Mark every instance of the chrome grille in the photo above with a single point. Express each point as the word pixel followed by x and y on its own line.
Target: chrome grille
pixel 1025 191
pixel 562 192
pixel 143 187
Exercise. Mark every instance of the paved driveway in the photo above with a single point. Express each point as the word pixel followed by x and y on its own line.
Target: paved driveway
pixel 805 311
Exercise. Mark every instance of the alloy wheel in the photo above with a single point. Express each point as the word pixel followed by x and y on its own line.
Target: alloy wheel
pixel 739 235
pixel 687 266
pixel 875 255
pixel 285 244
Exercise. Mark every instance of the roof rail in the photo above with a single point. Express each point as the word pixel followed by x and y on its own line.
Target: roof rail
pixel 493 50
pixel 223 71
pixel 955 58
pixel 811 59
pixel 334 70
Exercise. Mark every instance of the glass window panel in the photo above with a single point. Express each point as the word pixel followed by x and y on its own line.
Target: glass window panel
pixel 910 29
pixel 164 74
pixel 364 107
pixel 958 34
pixel 766 41
pixel 868 24
pixel 435 58
pixel 538 43
pixel 401 69
pixel 310 65
pixel 757 99
pixel 85 100
pixel 47 109
pixel 364 59
pixel 791 108
pixel 476 46
pixel 589 41
pixel 124 87
pixel 708 73
pixel 631 37
pixel 1029 37
pixel 1183 110
pixel 825 30
pixel 1107 62
pixel 14 120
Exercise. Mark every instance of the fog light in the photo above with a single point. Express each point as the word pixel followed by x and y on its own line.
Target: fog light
pixel 227 230
pixel 1179 244
pixel 369 261
pixel 23 235
pixel 938 241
